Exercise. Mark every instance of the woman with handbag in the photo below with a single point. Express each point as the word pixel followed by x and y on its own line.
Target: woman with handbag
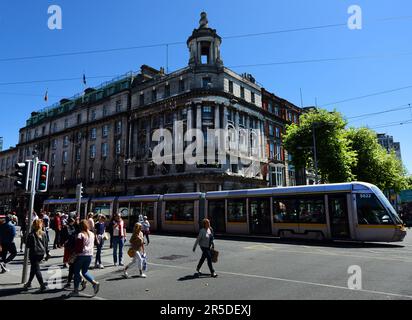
pixel 136 250
pixel 38 247
pixel 205 241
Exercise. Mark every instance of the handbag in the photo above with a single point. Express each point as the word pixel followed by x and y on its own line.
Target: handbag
pixel 131 252
pixel 105 236
pixel 215 255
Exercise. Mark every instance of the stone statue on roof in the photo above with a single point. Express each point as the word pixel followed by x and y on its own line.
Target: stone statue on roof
pixel 203 22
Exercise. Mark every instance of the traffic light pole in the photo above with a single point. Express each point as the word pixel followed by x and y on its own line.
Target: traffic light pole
pixel 30 215
pixel 79 200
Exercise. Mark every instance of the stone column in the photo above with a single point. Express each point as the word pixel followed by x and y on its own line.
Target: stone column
pixel 199 116
pixel 189 117
pixel 217 116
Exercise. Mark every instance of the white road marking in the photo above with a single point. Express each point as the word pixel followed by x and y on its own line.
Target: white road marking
pixel 291 280
pixel 327 253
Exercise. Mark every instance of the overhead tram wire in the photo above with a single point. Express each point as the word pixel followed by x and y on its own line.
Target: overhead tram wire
pixel 398 108
pixel 392 124
pixel 52 80
pixel 248 35
pixel 367 95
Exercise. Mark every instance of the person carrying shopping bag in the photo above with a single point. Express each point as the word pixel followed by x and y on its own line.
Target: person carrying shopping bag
pixel 136 250
pixel 205 241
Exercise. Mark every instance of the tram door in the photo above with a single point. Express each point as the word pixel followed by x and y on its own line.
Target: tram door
pixel 259 216
pixel 216 215
pixel 338 216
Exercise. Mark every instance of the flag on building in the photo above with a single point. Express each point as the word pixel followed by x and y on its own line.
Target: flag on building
pixel 46 96
pixel 84 79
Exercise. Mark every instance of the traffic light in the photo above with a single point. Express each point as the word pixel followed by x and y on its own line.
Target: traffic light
pixel 42 176
pixel 23 174
pixel 79 191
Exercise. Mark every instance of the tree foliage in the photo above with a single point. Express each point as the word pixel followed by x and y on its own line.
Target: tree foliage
pixel 343 154
pixel 374 164
pixel 335 158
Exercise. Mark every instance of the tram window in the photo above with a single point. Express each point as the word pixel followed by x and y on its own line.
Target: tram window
pixel 285 211
pixel 299 210
pixel 370 210
pixel 311 210
pixel 124 211
pixel 148 210
pixel 103 208
pixel 236 210
pixel 179 211
pixel 216 212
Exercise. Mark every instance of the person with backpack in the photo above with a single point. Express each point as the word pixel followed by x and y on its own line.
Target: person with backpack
pixel 206 243
pixel 37 245
pixel 84 253
pixel 137 247
pixel 68 238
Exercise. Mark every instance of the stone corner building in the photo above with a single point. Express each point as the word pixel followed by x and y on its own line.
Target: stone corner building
pixel 103 137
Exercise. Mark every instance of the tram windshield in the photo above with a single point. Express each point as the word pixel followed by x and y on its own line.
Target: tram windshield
pixel 388 206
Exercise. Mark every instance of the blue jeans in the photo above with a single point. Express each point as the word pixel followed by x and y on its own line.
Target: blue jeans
pixel 82 264
pixel 99 252
pixel 118 242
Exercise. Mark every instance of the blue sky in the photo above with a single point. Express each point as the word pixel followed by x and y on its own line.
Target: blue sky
pixel 102 24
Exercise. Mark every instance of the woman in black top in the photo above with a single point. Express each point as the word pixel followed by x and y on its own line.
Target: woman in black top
pixel 38 247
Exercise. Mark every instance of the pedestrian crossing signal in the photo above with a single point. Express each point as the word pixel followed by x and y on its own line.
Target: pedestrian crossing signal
pixel 42 177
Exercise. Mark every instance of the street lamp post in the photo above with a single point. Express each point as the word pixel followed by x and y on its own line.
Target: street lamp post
pixel 315 159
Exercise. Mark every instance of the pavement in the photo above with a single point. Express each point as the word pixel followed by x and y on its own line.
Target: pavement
pixel 248 269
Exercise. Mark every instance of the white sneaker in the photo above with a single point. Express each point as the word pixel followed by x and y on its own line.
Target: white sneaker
pixel 125 274
pixel 142 275
pixel 101 266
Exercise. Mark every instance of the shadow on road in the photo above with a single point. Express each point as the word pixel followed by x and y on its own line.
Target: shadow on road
pixel 194 277
pixel 11 291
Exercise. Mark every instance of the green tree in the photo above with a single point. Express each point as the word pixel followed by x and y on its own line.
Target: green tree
pixel 335 158
pixel 374 164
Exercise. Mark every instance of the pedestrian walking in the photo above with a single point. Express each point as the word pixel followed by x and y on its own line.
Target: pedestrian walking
pixel 15 219
pixel 23 229
pixel 206 243
pixel 57 230
pixel 84 251
pixel 119 237
pixel 37 245
pixel 46 224
pixel 68 238
pixel 7 245
pixel 90 221
pixel 137 246
pixel 146 228
pixel 99 228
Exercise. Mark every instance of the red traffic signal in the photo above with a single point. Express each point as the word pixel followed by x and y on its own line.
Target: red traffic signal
pixel 42 177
